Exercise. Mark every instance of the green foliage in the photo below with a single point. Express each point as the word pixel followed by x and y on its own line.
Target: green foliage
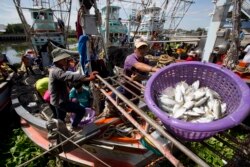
pixel 14 29
pixel 209 156
pixel 23 150
pixel 72 40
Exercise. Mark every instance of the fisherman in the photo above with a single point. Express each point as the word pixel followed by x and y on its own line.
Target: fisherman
pixel 136 64
pixel 137 67
pixel 27 59
pixel 58 88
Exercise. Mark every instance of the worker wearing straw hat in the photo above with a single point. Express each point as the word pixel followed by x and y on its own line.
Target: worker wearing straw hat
pixel 58 79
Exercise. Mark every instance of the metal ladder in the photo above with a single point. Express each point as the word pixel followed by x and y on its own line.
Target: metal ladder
pixel 109 84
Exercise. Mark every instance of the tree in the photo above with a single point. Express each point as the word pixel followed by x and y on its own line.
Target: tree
pixel 201 30
pixel 14 29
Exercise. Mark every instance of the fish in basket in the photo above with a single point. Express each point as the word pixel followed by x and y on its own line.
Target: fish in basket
pixel 229 92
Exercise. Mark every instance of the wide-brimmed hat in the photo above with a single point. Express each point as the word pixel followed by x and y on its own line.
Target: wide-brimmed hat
pixel 29 51
pixel 192 53
pixel 138 44
pixel 59 54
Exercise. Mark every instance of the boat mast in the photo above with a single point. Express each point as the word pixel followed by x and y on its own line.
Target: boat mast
pixel 67 30
pixel 178 12
pixel 24 22
pixel 107 21
pixel 232 55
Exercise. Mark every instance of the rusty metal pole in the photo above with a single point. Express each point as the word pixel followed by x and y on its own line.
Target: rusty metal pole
pixel 232 55
pixel 160 129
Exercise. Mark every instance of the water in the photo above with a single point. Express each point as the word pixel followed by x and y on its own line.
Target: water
pixel 13 51
pixel 12 55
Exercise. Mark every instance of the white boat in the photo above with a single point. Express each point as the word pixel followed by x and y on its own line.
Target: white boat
pixel 49 24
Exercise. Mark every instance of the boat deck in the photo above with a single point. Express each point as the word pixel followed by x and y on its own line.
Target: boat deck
pixel 230 148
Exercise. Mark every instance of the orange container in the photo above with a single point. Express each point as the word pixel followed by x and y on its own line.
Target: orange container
pixel 243 64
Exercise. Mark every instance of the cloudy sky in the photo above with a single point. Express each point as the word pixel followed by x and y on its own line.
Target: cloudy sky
pixel 197 16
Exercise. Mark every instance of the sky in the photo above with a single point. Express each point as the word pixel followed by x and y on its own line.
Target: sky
pixel 196 17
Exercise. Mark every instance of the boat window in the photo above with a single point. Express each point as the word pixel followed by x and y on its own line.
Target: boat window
pixel 50 16
pixel 35 15
pixel 43 16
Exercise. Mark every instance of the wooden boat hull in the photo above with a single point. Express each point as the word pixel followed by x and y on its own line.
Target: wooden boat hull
pixel 113 151
pixel 5 91
pixel 109 155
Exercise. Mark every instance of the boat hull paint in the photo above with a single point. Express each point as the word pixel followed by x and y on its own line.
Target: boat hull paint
pixel 110 155
pixel 113 151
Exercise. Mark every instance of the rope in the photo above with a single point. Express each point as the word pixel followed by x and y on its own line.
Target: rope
pixel 83 149
pixel 60 144
pixel 121 130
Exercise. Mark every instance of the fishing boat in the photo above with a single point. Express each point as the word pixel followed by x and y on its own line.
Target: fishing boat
pixel 150 23
pixel 6 76
pixel 117 31
pixel 49 24
pixel 103 142
pixel 99 143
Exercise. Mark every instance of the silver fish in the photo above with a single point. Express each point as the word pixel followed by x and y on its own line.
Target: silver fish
pixel 191 113
pixel 178 95
pixel 201 102
pixel 198 110
pixel 196 84
pixel 167 101
pixel 188 105
pixel 178 113
pixel 217 109
pixel 166 108
pixel 192 103
pixel 189 97
pixel 199 94
pixel 215 94
pixel 223 108
pixel 169 91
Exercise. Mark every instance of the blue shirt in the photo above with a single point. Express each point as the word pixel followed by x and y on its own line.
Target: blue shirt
pixel 82 97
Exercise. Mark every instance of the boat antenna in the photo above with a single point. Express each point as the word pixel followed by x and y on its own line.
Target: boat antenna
pixel 178 12
pixel 139 15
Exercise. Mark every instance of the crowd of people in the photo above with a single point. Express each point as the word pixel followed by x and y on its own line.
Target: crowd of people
pixel 68 91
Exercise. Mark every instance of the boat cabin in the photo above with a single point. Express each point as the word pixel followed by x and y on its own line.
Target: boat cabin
pixel 43 20
pixel 117 31
pixel 150 23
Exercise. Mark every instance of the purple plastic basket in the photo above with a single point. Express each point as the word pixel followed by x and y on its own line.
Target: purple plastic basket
pixel 232 89
pixel 91 115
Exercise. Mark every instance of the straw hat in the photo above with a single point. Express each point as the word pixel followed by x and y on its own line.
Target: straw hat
pixel 165 60
pixel 192 53
pixel 240 68
pixel 139 43
pixel 59 54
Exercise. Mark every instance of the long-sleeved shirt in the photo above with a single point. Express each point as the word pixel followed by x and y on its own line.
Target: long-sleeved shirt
pixel 58 85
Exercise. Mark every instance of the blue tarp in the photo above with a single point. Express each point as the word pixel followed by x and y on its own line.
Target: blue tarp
pixel 82 49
